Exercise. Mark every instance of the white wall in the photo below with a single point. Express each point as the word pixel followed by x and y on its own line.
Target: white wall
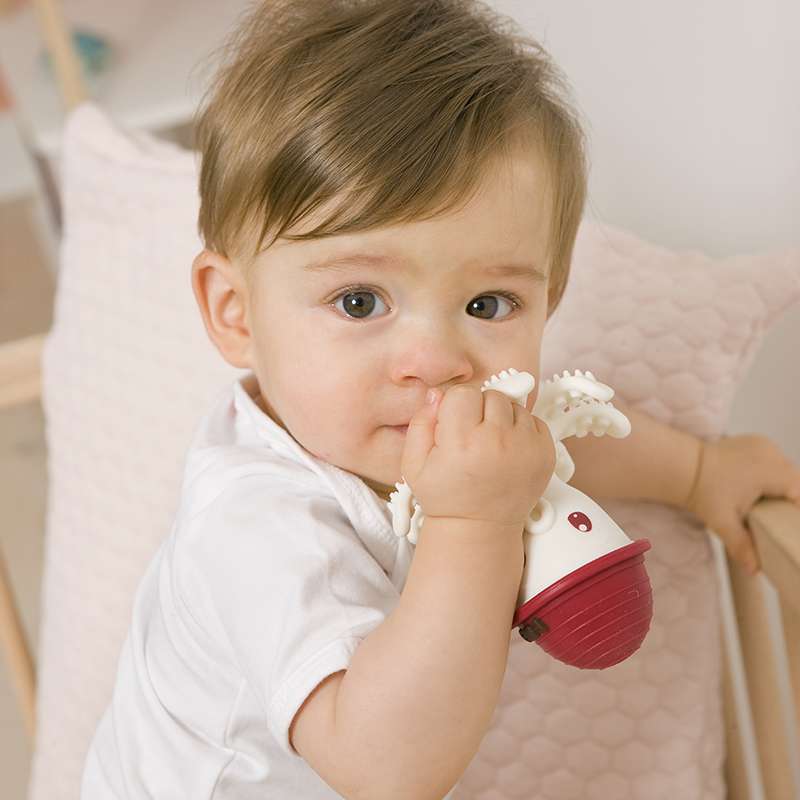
pixel 692 110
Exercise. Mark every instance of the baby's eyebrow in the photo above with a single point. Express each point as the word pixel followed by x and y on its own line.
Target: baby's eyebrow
pixel 350 261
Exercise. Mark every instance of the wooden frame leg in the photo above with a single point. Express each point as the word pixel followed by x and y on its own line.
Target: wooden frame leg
pixel 17 652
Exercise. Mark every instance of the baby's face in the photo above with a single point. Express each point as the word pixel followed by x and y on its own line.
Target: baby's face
pixel 344 356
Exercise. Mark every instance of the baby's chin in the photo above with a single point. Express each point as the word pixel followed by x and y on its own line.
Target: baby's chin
pixel 375 470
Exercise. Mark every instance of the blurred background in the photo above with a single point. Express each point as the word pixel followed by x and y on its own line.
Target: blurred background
pixel 692 110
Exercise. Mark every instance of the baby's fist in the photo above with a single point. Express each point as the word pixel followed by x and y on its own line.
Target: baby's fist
pixel 477 455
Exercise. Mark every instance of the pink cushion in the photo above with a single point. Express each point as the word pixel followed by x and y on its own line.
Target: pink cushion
pixel 128 370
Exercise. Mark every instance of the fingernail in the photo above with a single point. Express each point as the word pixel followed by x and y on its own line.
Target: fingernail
pixel 431 396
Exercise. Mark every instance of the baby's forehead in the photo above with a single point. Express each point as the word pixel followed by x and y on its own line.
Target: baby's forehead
pixel 353 213
pixel 501 230
pixel 321 266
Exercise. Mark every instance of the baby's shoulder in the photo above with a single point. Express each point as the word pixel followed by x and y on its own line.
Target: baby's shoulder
pixel 258 517
pixel 230 475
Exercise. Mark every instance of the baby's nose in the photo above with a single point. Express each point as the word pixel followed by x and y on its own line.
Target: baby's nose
pixel 435 361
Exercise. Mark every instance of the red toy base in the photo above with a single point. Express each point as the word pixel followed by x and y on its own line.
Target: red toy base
pixel 595 616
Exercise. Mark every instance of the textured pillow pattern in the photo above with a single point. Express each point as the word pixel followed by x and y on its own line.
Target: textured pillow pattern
pixel 128 370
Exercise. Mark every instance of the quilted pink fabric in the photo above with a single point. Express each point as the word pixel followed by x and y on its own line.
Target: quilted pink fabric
pixel 128 369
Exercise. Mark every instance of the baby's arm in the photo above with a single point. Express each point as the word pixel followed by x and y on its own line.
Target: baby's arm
pixel 407 717
pixel 654 462
pixel 410 712
pixel 719 481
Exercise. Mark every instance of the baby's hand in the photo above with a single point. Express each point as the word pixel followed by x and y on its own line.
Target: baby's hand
pixel 477 456
pixel 736 472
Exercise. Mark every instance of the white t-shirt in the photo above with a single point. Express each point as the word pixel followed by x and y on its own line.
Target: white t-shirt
pixel 277 566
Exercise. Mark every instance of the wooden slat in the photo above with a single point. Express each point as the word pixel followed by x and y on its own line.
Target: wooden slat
pixel 766 702
pixel 735 775
pixel 16 650
pixel 20 370
pixel 58 39
pixel 20 382
pixel 791 635
pixel 776 529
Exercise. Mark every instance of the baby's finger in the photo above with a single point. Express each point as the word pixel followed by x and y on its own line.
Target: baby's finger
pixel 420 436
pixel 740 546
pixel 793 486
pixel 497 408
pixel 460 410
pixel 523 417
pixel 783 485
pixel 781 476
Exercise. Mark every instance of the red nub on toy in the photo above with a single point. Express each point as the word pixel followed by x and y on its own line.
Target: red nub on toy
pixel 595 616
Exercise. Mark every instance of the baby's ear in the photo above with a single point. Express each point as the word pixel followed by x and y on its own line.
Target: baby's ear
pixel 221 294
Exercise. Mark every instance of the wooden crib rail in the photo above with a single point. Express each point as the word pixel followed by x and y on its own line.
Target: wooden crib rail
pixel 762 664
pixel 20 359
pixel 20 370
pixel 58 40
pixel 776 529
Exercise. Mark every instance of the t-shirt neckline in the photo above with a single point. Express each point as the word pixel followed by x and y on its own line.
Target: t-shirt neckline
pixel 366 505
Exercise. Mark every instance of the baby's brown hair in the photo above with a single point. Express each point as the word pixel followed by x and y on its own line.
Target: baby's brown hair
pixel 396 106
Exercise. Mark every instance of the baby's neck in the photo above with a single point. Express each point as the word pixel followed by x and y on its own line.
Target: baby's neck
pixel 380 489
pixel 264 406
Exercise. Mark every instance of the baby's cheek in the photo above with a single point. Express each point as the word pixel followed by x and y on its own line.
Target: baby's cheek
pixel 331 425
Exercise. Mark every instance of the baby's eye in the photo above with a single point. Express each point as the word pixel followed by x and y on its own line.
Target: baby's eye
pixel 359 303
pixel 487 302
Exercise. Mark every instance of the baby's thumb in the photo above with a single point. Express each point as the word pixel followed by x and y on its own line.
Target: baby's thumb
pixel 420 435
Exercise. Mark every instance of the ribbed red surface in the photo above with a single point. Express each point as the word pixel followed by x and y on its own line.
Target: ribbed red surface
pixel 598 615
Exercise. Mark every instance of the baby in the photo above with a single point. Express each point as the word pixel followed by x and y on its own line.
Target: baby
pixel 390 193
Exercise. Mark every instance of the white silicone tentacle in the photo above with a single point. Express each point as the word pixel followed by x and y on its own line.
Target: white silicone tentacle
pixel 402 563
pixel 400 506
pixel 513 384
pixel 416 524
pixel 577 404
pixel 565 466
pixel 407 515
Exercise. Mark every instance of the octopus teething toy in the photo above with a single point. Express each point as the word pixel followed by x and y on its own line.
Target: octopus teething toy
pixel 585 595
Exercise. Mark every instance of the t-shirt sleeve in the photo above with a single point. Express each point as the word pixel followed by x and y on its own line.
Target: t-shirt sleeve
pixel 276 571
